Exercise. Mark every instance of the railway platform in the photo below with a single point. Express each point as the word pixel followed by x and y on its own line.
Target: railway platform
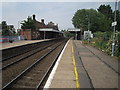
pixel 19 43
pixel 62 75
pixel 78 66
pixel 91 68
pixel 100 70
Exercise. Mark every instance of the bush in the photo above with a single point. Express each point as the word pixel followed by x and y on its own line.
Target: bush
pixel 103 41
pixel 84 41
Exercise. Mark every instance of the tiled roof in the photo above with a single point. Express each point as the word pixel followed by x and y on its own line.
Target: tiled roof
pixel 43 25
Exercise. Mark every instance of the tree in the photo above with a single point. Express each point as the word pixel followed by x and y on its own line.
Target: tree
pixel 6 30
pixel 68 34
pixel 118 20
pixel 90 19
pixel 28 24
pixel 4 25
pixel 106 10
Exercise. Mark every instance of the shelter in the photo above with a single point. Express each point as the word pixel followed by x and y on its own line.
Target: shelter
pixel 41 31
pixel 76 32
pixel 47 33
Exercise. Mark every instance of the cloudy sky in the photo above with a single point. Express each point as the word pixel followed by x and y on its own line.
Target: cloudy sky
pixel 60 13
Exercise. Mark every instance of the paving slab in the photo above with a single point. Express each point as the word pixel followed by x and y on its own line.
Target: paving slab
pixel 84 79
pixel 64 76
pixel 112 61
pixel 101 75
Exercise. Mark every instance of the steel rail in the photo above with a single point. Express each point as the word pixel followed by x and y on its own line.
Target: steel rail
pixel 20 59
pixel 15 55
pixel 27 69
pixel 48 70
pixel 24 52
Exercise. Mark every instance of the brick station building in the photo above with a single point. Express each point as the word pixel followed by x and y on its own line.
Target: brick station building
pixel 41 31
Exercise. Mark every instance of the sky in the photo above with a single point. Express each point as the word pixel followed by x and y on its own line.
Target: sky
pixel 61 13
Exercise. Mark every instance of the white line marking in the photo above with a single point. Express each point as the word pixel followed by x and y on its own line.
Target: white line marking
pixel 50 78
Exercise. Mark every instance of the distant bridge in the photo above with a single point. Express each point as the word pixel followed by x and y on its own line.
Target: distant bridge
pixel 76 32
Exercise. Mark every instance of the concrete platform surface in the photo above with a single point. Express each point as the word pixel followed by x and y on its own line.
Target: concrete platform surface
pixel 92 72
pixel 100 75
pixel 64 76
pixel 18 43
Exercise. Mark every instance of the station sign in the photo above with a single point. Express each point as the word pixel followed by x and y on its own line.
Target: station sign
pixel 114 23
pixel 88 34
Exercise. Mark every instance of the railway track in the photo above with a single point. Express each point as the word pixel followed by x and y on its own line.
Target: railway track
pixel 32 71
pixel 11 52
pixel 17 58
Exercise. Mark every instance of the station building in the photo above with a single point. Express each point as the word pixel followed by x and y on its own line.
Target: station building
pixel 41 31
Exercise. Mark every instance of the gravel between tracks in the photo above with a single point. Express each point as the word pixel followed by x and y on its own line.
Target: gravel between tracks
pixel 13 71
pixel 31 79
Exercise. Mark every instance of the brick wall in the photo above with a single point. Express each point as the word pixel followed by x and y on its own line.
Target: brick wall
pixel 26 34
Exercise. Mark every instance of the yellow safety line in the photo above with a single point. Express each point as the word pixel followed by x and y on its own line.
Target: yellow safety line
pixel 75 69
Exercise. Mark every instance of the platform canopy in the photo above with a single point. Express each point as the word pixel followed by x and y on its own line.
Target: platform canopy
pixel 49 30
pixel 73 30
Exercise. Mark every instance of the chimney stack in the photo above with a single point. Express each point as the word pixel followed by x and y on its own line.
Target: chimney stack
pixel 42 20
pixel 33 16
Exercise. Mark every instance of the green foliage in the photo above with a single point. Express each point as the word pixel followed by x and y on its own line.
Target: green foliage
pixel 6 31
pixel 118 20
pixel 106 10
pixel 103 41
pixel 4 25
pixel 90 18
pixel 84 41
pixel 68 34
pixel 96 20
pixel 118 44
pixel 109 44
pixel 28 24
pixel 100 40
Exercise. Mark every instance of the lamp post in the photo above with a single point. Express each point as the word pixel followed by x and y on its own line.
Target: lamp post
pixel 114 24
